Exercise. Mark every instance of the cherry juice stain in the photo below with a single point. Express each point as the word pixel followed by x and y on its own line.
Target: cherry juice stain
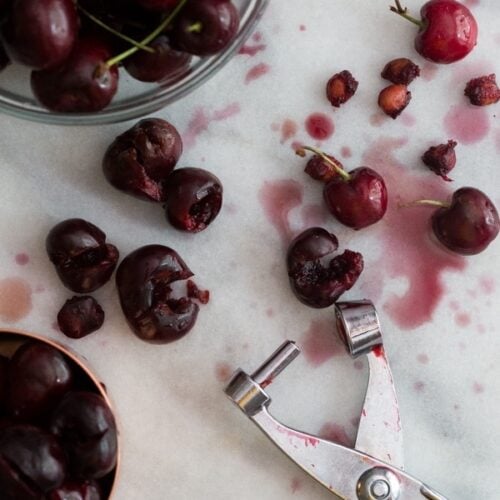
pixel 295 484
pixel 288 130
pixel 320 343
pixel 252 50
pixel 22 259
pixel 346 152
pixel 428 71
pixel 201 119
pixel 319 126
pixel 278 198
pixel 256 72
pixel 223 371
pixel 408 250
pixel 314 214
pixel 423 359
pixel 15 299
pixel 462 319
pixel 337 434
pixel 467 124
pixel 408 120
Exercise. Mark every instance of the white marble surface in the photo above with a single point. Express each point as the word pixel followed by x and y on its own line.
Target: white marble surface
pixel 181 438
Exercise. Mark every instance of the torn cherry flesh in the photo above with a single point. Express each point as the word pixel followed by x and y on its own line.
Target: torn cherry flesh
pixel 468 224
pixel 38 377
pixel 393 99
pixel 483 90
pixel 83 259
pixel 193 199
pixel 316 279
pixel 441 159
pixel 76 490
pixel 143 280
pixel 139 161
pixel 401 71
pixel 80 316
pixel 340 88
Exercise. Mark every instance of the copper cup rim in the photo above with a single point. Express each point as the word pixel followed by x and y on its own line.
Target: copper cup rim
pixel 82 363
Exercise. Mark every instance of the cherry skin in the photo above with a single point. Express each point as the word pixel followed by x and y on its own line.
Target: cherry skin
pixel 193 199
pixel 76 490
pixel 165 63
pixel 86 428
pixel 143 280
pixel 448 30
pixel 469 224
pixel 205 27
pixel 139 160
pixel 157 5
pixel 80 316
pixel 38 376
pixel 40 33
pixel 314 282
pixel 4 363
pixel 83 259
pixel 83 83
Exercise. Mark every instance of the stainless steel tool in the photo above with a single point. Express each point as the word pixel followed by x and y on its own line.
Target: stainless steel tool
pixel 373 469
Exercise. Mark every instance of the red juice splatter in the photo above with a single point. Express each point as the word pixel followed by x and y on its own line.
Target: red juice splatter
pixel 378 350
pixel 320 343
pixel 314 215
pixel 462 319
pixel 358 364
pixel 467 124
pixel 377 119
pixel 15 299
pixel 278 198
pixel 428 71
pixel 487 285
pixel 269 312
pixel 454 305
pixel 296 145
pixel 295 484
pixel 227 112
pixel 408 120
pixel 257 36
pixel 252 50
pixel 256 72
pixel 223 371
pixel 419 386
pixel 478 388
pixel 423 358
pixel 337 434
pixel 288 130
pixel 302 27
pixel 346 152
pixel 319 126
pixel 408 251
pixel 22 259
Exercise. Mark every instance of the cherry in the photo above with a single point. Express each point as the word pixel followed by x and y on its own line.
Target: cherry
pixel 316 283
pixel 80 316
pixel 76 490
pixel 468 224
pixel 85 82
pixel 164 63
pixel 401 71
pixel 205 27
pixel 38 376
pixel 394 99
pixel 86 428
pixel 340 88
pixel 139 160
pixel 193 199
pixel 157 5
pixel 483 90
pixel 4 362
pixel 40 33
pixel 441 159
pixel 356 199
pixel 83 259
pixel 31 462
pixel 143 280
pixel 447 30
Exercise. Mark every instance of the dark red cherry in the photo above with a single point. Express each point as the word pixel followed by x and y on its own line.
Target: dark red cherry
pixel 158 5
pixel 139 160
pixel 82 83
pixel 165 63
pixel 4 362
pixel 316 279
pixel 76 490
pixel 143 280
pixel 80 316
pixel 40 33
pixel 468 224
pixel 359 201
pixel 193 199
pixel 205 27
pixel 83 259
pixel 38 377
pixel 86 428
pixel 31 462
pixel 447 30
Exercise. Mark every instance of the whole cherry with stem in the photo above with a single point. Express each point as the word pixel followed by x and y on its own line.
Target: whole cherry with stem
pixel 357 198
pixel 447 30
pixel 465 225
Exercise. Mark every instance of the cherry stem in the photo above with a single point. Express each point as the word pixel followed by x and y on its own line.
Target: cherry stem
pixel 150 37
pixel 195 28
pixel 403 12
pixel 431 203
pixel 338 169
pixel 97 21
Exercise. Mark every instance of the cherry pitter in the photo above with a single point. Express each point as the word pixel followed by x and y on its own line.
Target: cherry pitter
pixel 373 469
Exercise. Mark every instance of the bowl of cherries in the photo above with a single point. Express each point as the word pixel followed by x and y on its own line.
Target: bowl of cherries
pixel 58 435
pixel 91 62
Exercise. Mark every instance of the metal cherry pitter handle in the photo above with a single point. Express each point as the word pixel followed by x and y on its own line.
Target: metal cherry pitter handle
pixel 373 469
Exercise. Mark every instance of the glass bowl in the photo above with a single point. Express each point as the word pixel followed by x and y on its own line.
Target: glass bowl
pixel 134 98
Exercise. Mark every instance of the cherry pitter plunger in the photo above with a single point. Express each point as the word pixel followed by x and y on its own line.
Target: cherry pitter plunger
pixel 373 469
